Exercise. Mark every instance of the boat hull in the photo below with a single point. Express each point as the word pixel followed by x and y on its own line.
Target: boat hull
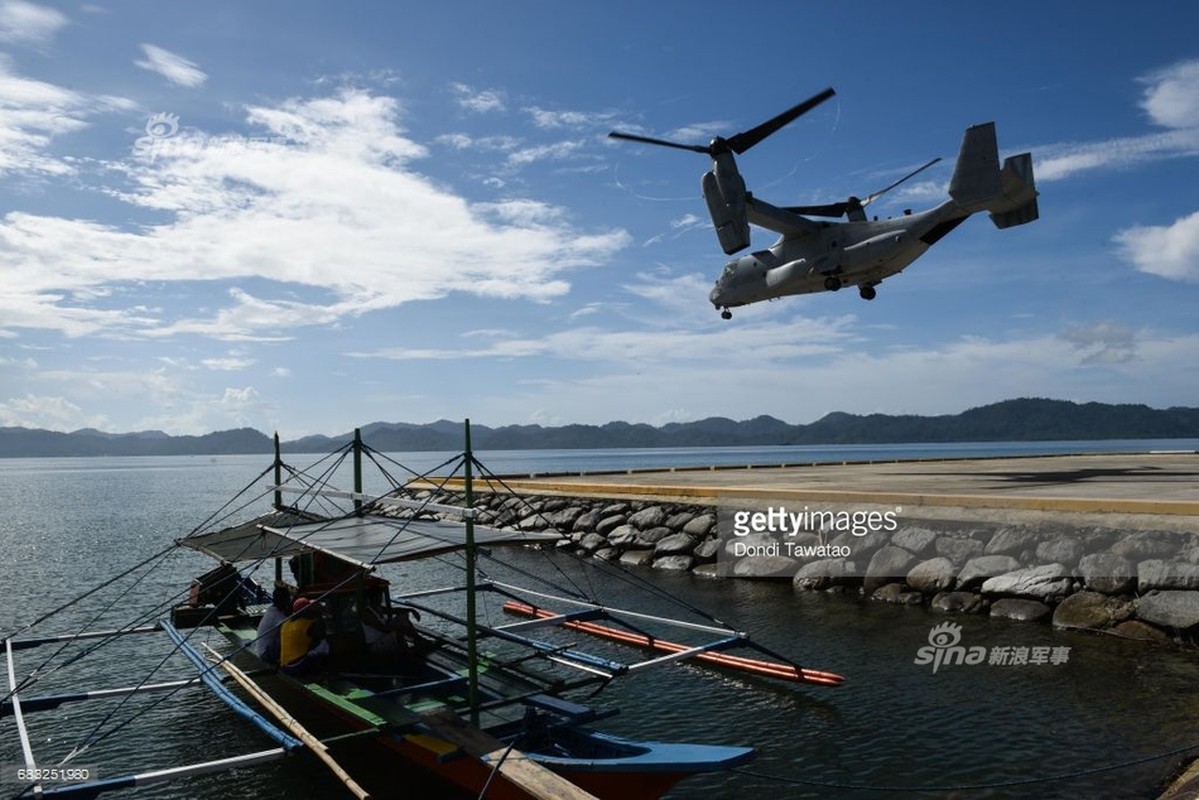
pixel 609 767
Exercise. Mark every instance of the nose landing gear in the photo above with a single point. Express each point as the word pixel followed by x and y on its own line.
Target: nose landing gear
pixel 726 314
pixel 867 292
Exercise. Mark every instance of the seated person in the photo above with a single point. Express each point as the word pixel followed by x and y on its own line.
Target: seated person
pixel 267 644
pixel 391 633
pixel 303 648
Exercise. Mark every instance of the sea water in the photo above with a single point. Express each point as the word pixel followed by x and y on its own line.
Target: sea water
pixel 1110 720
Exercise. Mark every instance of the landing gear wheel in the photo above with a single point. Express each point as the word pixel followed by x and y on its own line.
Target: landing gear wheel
pixel 726 314
pixel 832 283
pixel 867 292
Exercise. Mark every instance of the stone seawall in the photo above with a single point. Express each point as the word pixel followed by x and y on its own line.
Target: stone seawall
pixel 1135 583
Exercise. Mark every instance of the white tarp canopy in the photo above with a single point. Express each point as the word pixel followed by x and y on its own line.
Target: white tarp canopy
pixel 364 540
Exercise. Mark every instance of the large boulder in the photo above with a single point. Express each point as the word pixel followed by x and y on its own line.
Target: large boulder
pixel 1012 541
pixel 1040 582
pixel 1145 545
pixel 958 549
pixel 650 537
pixel 898 594
pixel 637 558
pixel 1064 550
pixel 917 541
pixel 622 535
pixel 979 569
pixel 959 602
pixel 587 521
pixel 763 567
pixel 1019 609
pixel 1090 611
pixel 700 526
pixel 676 544
pixel 1172 608
pixel 886 565
pixel 706 550
pixel 677 563
pixel 819 575
pixel 592 542
pixel 932 576
pixel 1156 573
pixel 1107 572
pixel 650 517
pixel 608 524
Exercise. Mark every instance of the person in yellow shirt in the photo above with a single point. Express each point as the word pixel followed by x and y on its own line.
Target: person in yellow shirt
pixel 303 648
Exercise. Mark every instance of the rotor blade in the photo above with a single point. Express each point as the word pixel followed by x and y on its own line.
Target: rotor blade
pixel 830 210
pixel 870 198
pixel 695 148
pixel 747 139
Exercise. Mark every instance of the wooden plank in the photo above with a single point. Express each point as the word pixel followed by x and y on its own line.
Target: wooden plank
pixel 518 768
pixel 317 747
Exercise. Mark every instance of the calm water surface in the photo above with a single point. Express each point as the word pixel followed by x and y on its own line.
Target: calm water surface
pixel 71 524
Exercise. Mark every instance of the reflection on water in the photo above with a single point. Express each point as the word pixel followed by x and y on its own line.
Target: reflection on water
pixel 894 725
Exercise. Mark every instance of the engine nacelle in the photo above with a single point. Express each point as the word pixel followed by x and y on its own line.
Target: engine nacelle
pixel 724 192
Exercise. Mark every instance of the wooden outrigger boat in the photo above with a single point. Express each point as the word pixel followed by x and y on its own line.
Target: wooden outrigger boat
pixel 501 722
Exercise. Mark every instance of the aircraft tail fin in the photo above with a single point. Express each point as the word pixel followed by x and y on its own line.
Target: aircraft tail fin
pixel 978 183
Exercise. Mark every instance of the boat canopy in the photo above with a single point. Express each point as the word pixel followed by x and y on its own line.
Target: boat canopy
pixel 363 540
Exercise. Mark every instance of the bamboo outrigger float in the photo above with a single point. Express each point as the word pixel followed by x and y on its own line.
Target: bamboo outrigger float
pixel 496 723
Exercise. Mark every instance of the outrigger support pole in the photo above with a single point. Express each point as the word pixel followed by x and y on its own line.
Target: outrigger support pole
pixel 278 474
pixel 472 644
pixel 278 501
pixel 358 470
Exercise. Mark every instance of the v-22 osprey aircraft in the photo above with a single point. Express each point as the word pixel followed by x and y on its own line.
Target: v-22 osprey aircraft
pixel 815 256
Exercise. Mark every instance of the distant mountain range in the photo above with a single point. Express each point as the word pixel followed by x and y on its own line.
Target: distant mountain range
pixel 1011 420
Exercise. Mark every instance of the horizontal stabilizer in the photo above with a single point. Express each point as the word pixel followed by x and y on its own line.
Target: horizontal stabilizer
pixel 1018 205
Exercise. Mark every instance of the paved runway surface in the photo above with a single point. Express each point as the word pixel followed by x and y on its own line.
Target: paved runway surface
pixel 1157 483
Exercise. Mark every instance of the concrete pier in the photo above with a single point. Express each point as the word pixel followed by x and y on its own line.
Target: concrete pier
pixel 1157 491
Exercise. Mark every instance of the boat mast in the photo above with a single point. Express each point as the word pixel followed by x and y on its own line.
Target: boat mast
pixel 358 470
pixel 472 645
pixel 278 474
pixel 278 501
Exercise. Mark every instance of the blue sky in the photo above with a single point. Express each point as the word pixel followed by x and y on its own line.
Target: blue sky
pixel 308 216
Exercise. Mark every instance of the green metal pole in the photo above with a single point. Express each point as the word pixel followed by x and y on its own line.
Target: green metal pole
pixel 278 501
pixel 358 469
pixel 278 474
pixel 472 645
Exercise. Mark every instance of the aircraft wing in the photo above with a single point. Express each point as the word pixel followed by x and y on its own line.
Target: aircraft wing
pixel 779 220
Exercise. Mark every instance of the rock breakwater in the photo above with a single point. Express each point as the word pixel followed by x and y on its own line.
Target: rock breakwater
pixel 1141 584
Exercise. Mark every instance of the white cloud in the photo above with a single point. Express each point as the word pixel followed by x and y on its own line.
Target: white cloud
pixel 22 22
pixel 543 118
pixel 1171 251
pixel 229 363
pixel 557 150
pixel 462 141
pixel 479 101
pixel 53 413
pixel 172 66
pixel 1171 100
pixel 326 202
pixel 718 344
pixel 944 379
pixel 1102 343
pixel 32 113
